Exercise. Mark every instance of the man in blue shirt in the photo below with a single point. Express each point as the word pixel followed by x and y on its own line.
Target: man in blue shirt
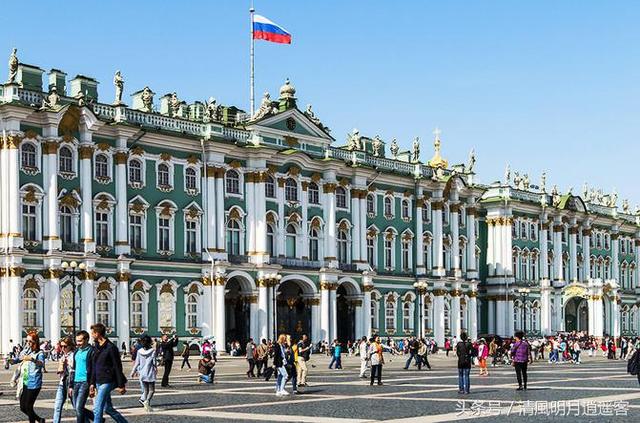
pixel 79 376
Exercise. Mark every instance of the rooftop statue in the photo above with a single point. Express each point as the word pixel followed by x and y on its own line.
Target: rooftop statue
pixel 585 191
pixel 525 181
pixel 147 99
pixel 394 148
pixel 118 82
pixel 625 206
pixel 353 140
pixel 13 65
pixel 543 182
pixel 377 146
pixel 174 105
pixel 415 150
pixel 265 107
pixel 472 161
pixel 614 198
pixel 213 110
pixel 51 101
pixel 311 115
pixel 555 196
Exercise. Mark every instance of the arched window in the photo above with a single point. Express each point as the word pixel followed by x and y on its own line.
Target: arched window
pixel 270 187
pixel 232 179
pixel 314 244
pixel 390 314
pixel 28 155
pixel 426 212
pixel 371 204
pixel 406 254
pixel 388 252
pixel 270 240
pixel 137 310
pixel 371 250
pixel 103 307
pixel 405 210
pixel 29 222
pixel 65 162
pixel 164 234
pixel 101 166
pixel 523 230
pixel 135 171
pixel 447 318
pixel 535 310
pixel 341 198
pixel 426 315
pixel 375 314
pixel 314 193
pixel 163 174
pixel 66 224
pixel 192 311
pixel 291 190
pixel 406 316
pixel 30 308
pixel 534 232
pixel 190 179
pixel 291 237
pixel 102 228
pixel 388 207
pixel 343 246
pixel 233 237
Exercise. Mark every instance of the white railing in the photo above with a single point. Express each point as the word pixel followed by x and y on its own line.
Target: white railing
pixel 31 97
pixel 237 134
pixel 104 110
pixel 525 195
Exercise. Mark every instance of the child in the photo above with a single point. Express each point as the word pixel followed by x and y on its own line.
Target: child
pixel 145 366
pixel 205 369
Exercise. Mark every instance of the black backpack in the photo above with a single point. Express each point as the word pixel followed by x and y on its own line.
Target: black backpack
pixel 633 367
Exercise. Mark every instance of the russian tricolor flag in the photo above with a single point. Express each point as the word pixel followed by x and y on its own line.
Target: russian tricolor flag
pixel 264 29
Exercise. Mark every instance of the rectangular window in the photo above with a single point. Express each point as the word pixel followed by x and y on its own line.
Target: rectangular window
pixel 135 231
pixel 191 235
pixel 405 256
pixel 390 316
pixel 29 222
pixel 371 251
pixel 163 234
pixel 388 263
pixel 102 229
pixel 313 249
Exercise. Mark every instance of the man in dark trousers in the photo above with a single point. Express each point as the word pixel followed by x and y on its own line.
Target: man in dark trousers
pixel 166 349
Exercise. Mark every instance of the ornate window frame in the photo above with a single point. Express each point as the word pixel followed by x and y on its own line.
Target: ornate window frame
pixel 37 168
pixel 171 175
pixel 166 209
pixel 138 206
pixel 195 288
pixel 32 195
pixel 104 202
pixel 106 152
pixel 193 213
pixel 72 147
pixel 142 287
pixel 143 177
pixel 198 179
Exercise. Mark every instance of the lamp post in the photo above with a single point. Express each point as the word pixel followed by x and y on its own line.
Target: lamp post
pixel 273 280
pixel 524 293
pixel 421 289
pixel 72 269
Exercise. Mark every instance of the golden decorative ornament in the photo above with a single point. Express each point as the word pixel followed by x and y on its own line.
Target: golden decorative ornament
pixel 329 188
pixel 235 164
pixel 316 177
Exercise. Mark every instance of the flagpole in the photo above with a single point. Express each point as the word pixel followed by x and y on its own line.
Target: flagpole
pixel 251 56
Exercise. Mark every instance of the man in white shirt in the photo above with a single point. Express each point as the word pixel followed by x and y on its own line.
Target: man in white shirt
pixel 363 350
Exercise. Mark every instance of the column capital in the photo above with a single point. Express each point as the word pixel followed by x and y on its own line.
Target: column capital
pixel 52 273
pixel 220 280
pixel 121 157
pixel 329 286
pixel 12 272
pixel 123 276
pixel 368 288
pixel 85 151
pixel 329 188
pixel 50 147
pixel 13 141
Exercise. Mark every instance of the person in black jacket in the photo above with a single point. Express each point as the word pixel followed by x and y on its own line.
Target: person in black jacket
pixel 106 375
pixel 166 348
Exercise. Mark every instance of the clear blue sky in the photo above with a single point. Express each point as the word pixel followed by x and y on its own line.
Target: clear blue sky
pixel 543 85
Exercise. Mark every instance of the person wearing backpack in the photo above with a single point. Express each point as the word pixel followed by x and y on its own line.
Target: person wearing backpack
pixel 633 364
pixel 521 354
pixel 145 367
pixel 465 353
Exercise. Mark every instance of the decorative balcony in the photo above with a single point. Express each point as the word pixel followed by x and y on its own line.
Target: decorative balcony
pixel 297 263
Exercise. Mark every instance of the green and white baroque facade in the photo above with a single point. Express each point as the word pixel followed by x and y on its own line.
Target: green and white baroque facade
pixel 191 218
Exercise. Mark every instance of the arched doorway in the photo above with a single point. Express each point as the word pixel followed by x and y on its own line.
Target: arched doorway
pixel 237 311
pixel 293 310
pixel 346 303
pixel 576 314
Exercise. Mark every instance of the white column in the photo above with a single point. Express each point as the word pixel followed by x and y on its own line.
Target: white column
pixel 544 254
pixel 636 272
pixel 472 311
pixel 472 272
pixel 615 314
pixel 573 251
pixel 558 306
pixel 14 234
pixel 51 238
pixel 325 331
pixel 263 310
pixel 586 254
pixel 13 309
pixel 455 241
pixel 363 227
pixel 261 219
pixel 86 182
pixel 123 326
pixel 597 316
pixel 270 321
pixel 281 218
pixel 254 328
pixel 220 315
pixel 510 329
pixel 211 210
pixel 507 244
pixel 438 319
pixel 501 315
pixel 87 309
pixel 420 264
pixel 436 218
pixel 455 315
pixel 207 308
pixel 316 331
pixel 250 208
pixel 330 224
pixel 359 319
pixel 545 307
pixel 491 242
pixel 355 221
pixel 304 225
pixel 52 288
pixel 557 252
pixel 334 312
pixel 220 219
pixel 615 260
pixel 491 316
pixel 122 221
pixel 366 305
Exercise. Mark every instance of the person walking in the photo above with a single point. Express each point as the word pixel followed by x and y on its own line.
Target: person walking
pixel 206 371
pixel 166 349
pixel 185 354
pixel 79 376
pixel 377 360
pixel 413 352
pixel 363 350
pixel 423 353
pixel 336 355
pixel 65 363
pixel 251 355
pixel 147 370
pixel 280 362
pixel 483 353
pixel 262 351
pixel 447 346
pixel 304 354
pixel 31 368
pixel 465 353
pixel 521 355
pixel 292 366
pixel 105 376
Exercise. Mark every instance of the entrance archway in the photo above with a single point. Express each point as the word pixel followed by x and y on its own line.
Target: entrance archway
pixel 293 309
pixel 576 314
pixel 237 308
pixel 347 298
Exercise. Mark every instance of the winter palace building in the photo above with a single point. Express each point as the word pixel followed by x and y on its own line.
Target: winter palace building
pixel 201 220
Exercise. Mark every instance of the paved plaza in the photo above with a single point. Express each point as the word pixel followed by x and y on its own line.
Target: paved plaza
pixel 598 390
